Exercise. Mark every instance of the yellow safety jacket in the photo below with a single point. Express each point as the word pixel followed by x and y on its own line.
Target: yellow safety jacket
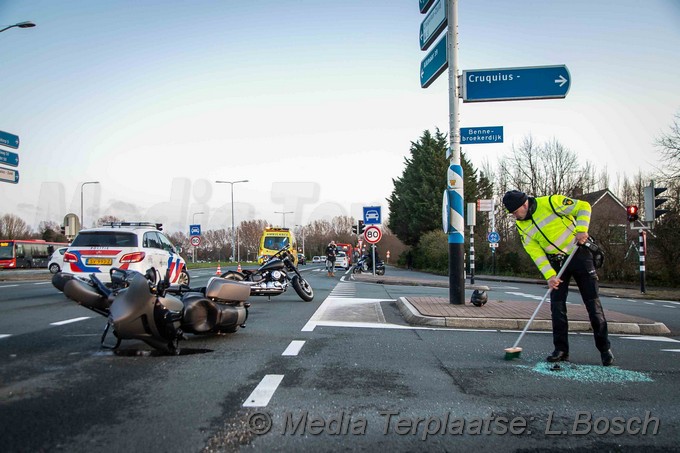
pixel 551 228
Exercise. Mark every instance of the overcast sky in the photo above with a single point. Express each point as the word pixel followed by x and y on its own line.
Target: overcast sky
pixel 315 102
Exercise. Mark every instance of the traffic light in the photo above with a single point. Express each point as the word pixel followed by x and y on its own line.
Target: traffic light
pixel 652 202
pixel 632 212
pixel 355 229
pixel 361 227
pixel 63 230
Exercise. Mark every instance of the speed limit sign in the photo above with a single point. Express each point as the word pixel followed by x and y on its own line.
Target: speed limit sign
pixel 372 234
pixel 195 241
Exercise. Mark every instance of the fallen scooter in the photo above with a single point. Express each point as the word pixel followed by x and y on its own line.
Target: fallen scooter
pixel 363 265
pixel 143 308
pixel 274 276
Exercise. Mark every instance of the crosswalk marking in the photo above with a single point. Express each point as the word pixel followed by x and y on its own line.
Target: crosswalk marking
pixel 264 391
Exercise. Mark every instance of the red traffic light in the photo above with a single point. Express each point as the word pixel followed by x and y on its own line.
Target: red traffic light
pixel 632 212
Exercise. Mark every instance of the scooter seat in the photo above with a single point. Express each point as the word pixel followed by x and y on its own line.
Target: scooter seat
pixel 223 290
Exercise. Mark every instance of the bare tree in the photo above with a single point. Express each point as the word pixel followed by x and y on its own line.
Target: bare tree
pixel 670 149
pixel 13 227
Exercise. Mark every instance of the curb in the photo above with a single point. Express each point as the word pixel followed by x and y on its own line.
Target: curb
pixel 414 317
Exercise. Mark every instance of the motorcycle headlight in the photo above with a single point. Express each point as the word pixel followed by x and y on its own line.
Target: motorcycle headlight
pixel 276 275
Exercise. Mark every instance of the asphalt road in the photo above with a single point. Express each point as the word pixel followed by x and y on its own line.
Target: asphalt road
pixel 343 372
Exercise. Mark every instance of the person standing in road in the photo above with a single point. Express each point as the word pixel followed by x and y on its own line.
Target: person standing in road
pixel 331 252
pixel 550 227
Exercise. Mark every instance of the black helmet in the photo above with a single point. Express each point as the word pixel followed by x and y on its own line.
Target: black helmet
pixel 479 298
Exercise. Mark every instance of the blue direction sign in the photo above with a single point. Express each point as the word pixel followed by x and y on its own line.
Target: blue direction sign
pixel 425 5
pixel 372 215
pixel 9 158
pixel 434 63
pixel 194 230
pixel 8 139
pixel 494 237
pixel 9 175
pixel 508 84
pixel 473 135
pixel 433 25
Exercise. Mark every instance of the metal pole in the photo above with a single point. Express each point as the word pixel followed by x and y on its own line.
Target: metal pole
pixel 454 175
pixel 193 221
pixel 643 252
pixel 284 216
pixel 82 222
pixel 472 255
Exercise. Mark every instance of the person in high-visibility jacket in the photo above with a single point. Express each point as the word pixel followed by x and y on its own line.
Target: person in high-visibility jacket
pixel 550 227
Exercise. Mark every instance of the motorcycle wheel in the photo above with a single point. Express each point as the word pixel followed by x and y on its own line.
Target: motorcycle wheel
pixel 233 275
pixel 303 288
pixel 380 272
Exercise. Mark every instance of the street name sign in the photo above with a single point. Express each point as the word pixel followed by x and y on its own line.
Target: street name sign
pixel 434 63
pixel 7 139
pixel 433 24
pixel 509 84
pixel 9 158
pixel 9 175
pixel 473 135
pixel 425 5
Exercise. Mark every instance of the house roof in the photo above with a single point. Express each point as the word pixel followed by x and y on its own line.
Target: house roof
pixel 595 197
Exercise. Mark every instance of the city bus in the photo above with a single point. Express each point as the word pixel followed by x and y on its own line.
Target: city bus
pixel 19 253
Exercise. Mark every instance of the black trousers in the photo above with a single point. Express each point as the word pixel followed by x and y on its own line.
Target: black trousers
pixel 582 269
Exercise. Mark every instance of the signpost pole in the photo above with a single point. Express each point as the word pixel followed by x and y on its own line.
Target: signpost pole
pixel 456 234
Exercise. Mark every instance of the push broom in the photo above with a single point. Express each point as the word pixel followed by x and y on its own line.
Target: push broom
pixel 515 351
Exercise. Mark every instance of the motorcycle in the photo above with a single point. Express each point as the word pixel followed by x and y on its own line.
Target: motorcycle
pixel 143 308
pixel 363 266
pixel 274 276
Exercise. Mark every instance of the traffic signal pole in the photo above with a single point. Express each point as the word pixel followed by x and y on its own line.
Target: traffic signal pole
pixel 456 227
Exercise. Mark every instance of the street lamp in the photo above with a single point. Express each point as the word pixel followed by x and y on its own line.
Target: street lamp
pixel 82 221
pixel 284 216
pixel 193 222
pixel 26 24
pixel 233 235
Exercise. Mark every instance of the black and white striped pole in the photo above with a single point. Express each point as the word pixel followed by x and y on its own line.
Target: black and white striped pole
pixel 642 253
pixel 472 221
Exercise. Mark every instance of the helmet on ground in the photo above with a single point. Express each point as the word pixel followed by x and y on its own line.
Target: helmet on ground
pixel 479 298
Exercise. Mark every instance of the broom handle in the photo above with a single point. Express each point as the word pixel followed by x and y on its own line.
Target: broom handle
pixel 559 274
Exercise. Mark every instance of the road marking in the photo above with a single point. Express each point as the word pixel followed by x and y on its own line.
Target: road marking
pixel 4 335
pixel 69 321
pixel 646 338
pixel 43 283
pixel 8 286
pixel 670 306
pixel 264 391
pixel 294 347
pixel 671 350
pixel 530 296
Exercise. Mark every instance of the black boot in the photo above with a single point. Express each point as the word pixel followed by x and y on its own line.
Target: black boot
pixel 607 357
pixel 558 356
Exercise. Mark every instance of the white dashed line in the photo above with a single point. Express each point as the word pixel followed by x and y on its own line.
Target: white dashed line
pixel 69 321
pixel 4 335
pixel 293 348
pixel 264 391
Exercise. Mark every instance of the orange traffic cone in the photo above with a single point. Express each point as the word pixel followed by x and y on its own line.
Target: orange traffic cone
pixel 219 270
pixel 239 267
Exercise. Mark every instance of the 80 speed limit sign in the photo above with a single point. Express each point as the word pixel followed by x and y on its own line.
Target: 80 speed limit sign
pixel 372 234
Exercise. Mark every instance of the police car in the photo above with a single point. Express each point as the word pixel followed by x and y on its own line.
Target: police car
pixel 135 246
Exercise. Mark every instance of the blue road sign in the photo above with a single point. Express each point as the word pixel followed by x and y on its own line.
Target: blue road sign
pixel 8 139
pixel 425 5
pixel 9 175
pixel 194 230
pixel 372 215
pixel 9 158
pixel 434 63
pixel 494 237
pixel 508 84
pixel 473 135
pixel 433 24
